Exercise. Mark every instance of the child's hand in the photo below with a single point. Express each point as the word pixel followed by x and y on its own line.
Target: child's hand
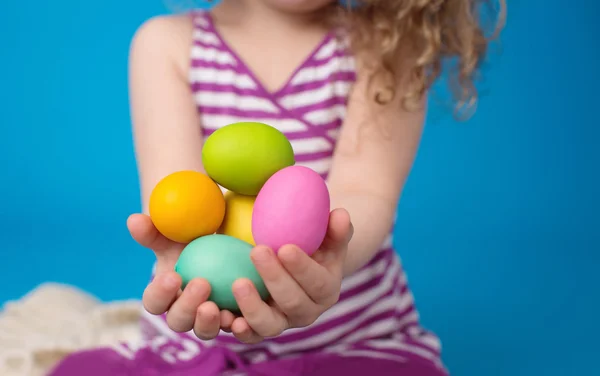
pixel 301 287
pixel 163 294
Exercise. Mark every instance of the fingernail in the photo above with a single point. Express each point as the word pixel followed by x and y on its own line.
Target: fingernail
pixel 289 253
pixel 242 290
pixel 207 317
pixel 170 282
pixel 261 254
pixel 192 288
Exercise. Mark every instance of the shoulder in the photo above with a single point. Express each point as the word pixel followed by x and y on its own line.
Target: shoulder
pixel 164 38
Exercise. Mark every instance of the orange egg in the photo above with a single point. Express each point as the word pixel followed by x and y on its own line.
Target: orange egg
pixel 187 205
pixel 238 217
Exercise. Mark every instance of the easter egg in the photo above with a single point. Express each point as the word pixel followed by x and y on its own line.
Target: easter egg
pixel 220 260
pixel 292 208
pixel 186 205
pixel 238 217
pixel 242 156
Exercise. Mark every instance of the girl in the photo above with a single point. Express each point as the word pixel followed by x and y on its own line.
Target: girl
pixel 347 85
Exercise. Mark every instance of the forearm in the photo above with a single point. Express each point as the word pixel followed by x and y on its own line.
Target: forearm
pixel 372 218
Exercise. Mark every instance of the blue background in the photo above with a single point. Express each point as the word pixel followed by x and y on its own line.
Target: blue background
pixel 498 226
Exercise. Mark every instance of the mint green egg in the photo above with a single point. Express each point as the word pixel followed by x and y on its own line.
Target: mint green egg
pixel 220 260
pixel 243 156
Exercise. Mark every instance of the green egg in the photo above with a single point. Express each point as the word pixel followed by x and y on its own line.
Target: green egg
pixel 243 156
pixel 221 260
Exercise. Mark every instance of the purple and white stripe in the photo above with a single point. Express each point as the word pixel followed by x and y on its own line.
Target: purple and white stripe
pixel 376 315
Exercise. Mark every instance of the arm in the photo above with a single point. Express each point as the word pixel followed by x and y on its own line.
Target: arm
pixel 373 158
pixel 167 136
pixel 166 126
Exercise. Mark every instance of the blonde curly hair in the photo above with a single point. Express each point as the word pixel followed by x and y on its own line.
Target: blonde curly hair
pixel 411 41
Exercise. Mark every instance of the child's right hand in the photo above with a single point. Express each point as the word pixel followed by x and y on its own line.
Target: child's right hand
pixel 187 310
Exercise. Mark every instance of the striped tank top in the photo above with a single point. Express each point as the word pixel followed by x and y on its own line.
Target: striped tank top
pixel 375 315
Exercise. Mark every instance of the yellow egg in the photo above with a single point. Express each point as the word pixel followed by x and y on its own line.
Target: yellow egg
pixel 238 217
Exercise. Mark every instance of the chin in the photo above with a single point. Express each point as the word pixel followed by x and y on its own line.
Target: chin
pixel 298 5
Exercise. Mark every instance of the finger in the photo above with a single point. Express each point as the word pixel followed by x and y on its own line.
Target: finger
pixel 182 314
pixel 318 283
pixel 243 332
pixel 161 293
pixel 208 323
pixel 262 318
pixel 226 319
pixel 335 245
pixel 289 296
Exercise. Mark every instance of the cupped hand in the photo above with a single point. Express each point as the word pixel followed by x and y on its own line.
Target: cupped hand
pixel 301 287
pixel 188 309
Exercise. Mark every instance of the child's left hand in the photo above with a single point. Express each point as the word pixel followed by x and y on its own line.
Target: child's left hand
pixel 301 287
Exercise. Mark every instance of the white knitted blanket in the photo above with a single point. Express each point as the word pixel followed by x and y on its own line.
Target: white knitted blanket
pixel 55 320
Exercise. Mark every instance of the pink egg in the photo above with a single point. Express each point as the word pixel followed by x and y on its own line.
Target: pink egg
pixel 292 208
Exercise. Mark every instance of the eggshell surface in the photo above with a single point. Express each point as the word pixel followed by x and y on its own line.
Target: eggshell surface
pixel 220 260
pixel 185 205
pixel 243 156
pixel 292 208
pixel 238 217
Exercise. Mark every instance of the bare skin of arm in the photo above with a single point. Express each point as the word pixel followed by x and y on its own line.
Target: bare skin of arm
pixel 168 138
pixel 374 154
pixel 373 157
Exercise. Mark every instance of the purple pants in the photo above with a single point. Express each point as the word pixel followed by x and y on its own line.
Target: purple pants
pixel 220 361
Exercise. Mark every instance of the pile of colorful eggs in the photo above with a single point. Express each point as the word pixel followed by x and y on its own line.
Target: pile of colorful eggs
pixel 269 201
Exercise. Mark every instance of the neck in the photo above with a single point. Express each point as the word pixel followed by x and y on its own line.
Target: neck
pixel 257 15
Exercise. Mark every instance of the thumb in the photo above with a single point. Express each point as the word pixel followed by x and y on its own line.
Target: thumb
pixel 144 232
pixel 335 245
pixel 340 230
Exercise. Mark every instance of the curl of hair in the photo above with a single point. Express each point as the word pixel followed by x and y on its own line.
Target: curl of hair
pixel 411 41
